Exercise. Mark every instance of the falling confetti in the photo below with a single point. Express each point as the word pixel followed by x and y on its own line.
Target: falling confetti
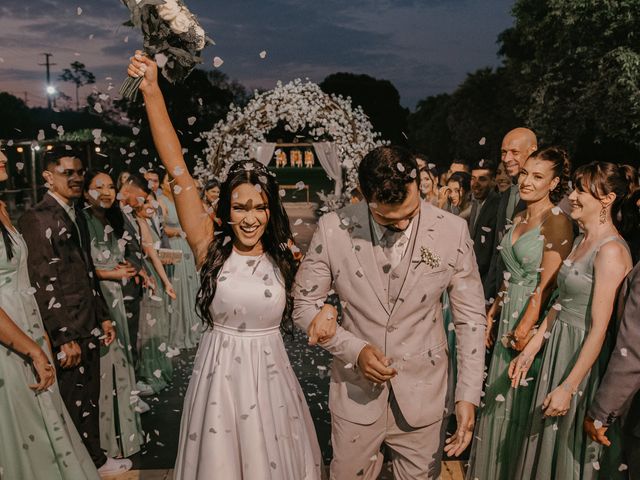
pixel 217 62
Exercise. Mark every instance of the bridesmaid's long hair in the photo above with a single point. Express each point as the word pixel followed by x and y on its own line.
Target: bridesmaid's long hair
pixel 113 214
pixel 275 240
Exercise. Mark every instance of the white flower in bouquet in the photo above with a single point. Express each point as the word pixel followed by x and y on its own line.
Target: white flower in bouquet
pixel 181 43
pixel 169 10
pixel 180 24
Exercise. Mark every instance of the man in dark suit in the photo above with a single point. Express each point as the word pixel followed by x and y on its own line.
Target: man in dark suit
pixel 516 147
pixel 619 391
pixel 73 310
pixel 132 195
pixel 483 218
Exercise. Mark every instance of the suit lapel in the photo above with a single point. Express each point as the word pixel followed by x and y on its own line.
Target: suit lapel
pixel 62 216
pixel 423 237
pixel 362 244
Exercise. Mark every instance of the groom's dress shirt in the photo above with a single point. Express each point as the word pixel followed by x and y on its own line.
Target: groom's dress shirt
pixel 394 243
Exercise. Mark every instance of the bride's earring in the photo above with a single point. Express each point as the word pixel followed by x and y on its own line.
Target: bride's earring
pixel 603 215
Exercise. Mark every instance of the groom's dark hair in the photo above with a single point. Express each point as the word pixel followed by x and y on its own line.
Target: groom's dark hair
pixel 385 172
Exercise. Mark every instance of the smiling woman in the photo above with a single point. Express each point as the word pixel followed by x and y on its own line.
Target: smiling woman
pixel 245 299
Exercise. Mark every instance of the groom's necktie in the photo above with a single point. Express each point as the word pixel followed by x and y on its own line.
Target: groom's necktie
pixel 393 246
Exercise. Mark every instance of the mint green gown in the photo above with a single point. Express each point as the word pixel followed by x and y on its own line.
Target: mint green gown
pixel 37 437
pixel 186 326
pixel 558 447
pixel 154 365
pixel 120 427
pixel 503 417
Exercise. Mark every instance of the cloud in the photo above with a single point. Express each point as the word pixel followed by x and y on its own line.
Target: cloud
pixel 423 46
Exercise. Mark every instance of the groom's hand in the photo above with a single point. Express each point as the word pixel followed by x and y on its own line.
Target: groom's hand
pixel 465 418
pixel 374 365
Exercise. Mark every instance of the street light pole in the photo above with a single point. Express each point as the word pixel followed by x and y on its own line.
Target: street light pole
pixel 50 88
pixel 34 183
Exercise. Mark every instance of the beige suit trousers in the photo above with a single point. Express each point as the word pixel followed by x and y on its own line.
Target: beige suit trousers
pixel 416 453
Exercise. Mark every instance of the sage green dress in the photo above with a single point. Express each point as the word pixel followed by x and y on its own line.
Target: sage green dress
pixel 155 351
pixel 37 437
pixel 120 427
pixel 503 417
pixel 186 326
pixel 557 447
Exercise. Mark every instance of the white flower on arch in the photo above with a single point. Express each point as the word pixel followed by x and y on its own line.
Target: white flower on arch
pixel 300 105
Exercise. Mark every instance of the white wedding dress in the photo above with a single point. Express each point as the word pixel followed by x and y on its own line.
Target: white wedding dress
pixel 245 415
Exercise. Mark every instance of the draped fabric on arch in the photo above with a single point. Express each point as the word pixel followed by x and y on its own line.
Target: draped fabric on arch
pixel 327 153
pixel 263 152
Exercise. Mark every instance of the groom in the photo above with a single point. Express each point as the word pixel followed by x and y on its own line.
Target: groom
pixel 390 259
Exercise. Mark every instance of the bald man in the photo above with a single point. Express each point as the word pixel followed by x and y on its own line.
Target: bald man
pixel 517 145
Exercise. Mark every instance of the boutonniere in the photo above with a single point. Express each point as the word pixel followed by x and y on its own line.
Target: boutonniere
pixel 428 257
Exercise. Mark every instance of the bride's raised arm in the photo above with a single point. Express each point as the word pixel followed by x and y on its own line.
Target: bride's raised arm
pixel 194 219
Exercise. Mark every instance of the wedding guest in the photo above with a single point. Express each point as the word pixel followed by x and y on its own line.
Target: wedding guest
pixel 154 365
pixel 631 174
pixel 242 386
pixel 516 147
pixel 132 194
pixel 574 335
pixel 503 181
pixel 617 399
pixel 152 176
pixel 120 427
pixel 32 411
pixel 122 178
pixel 185 324
pixel 455 196
pixel 457 166
pixel 429 185
pixel 212 193
pixel 68 295
pixel 533 251
pixel 482 219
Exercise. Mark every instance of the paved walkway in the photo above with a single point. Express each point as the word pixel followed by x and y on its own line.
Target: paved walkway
pixel 450 471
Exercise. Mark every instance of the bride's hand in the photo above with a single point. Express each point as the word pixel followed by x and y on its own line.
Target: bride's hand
pixel 142 66
pixel 323 326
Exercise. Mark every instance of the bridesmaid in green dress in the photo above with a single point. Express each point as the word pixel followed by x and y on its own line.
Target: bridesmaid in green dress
pixel 575 332
pixel 37 436
pixel 186 325
pixel 154 366
pixel 532 250
pixel 120 427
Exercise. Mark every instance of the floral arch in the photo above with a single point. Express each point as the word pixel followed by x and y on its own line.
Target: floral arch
pixel 301 106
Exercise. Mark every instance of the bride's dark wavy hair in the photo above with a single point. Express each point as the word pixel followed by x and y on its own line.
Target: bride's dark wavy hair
pixel 275 239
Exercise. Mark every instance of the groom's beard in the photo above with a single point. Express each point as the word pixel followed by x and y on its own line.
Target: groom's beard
pixel 396 229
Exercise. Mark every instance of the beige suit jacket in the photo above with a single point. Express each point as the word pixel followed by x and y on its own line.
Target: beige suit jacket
pixel 341 256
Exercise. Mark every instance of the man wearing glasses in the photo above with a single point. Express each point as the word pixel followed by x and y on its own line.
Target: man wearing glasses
pixel 73 310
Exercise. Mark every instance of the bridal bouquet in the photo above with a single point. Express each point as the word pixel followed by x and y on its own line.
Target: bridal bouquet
pixel 172 35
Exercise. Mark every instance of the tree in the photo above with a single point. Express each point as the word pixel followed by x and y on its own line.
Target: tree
pixel 79 76
pixel 481 111
pixel 16 118
pixel 576 68
pixel 429 131
pixel 194 106
pixel 379 99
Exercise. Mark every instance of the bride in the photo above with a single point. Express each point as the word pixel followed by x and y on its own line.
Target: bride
pixel 245 415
